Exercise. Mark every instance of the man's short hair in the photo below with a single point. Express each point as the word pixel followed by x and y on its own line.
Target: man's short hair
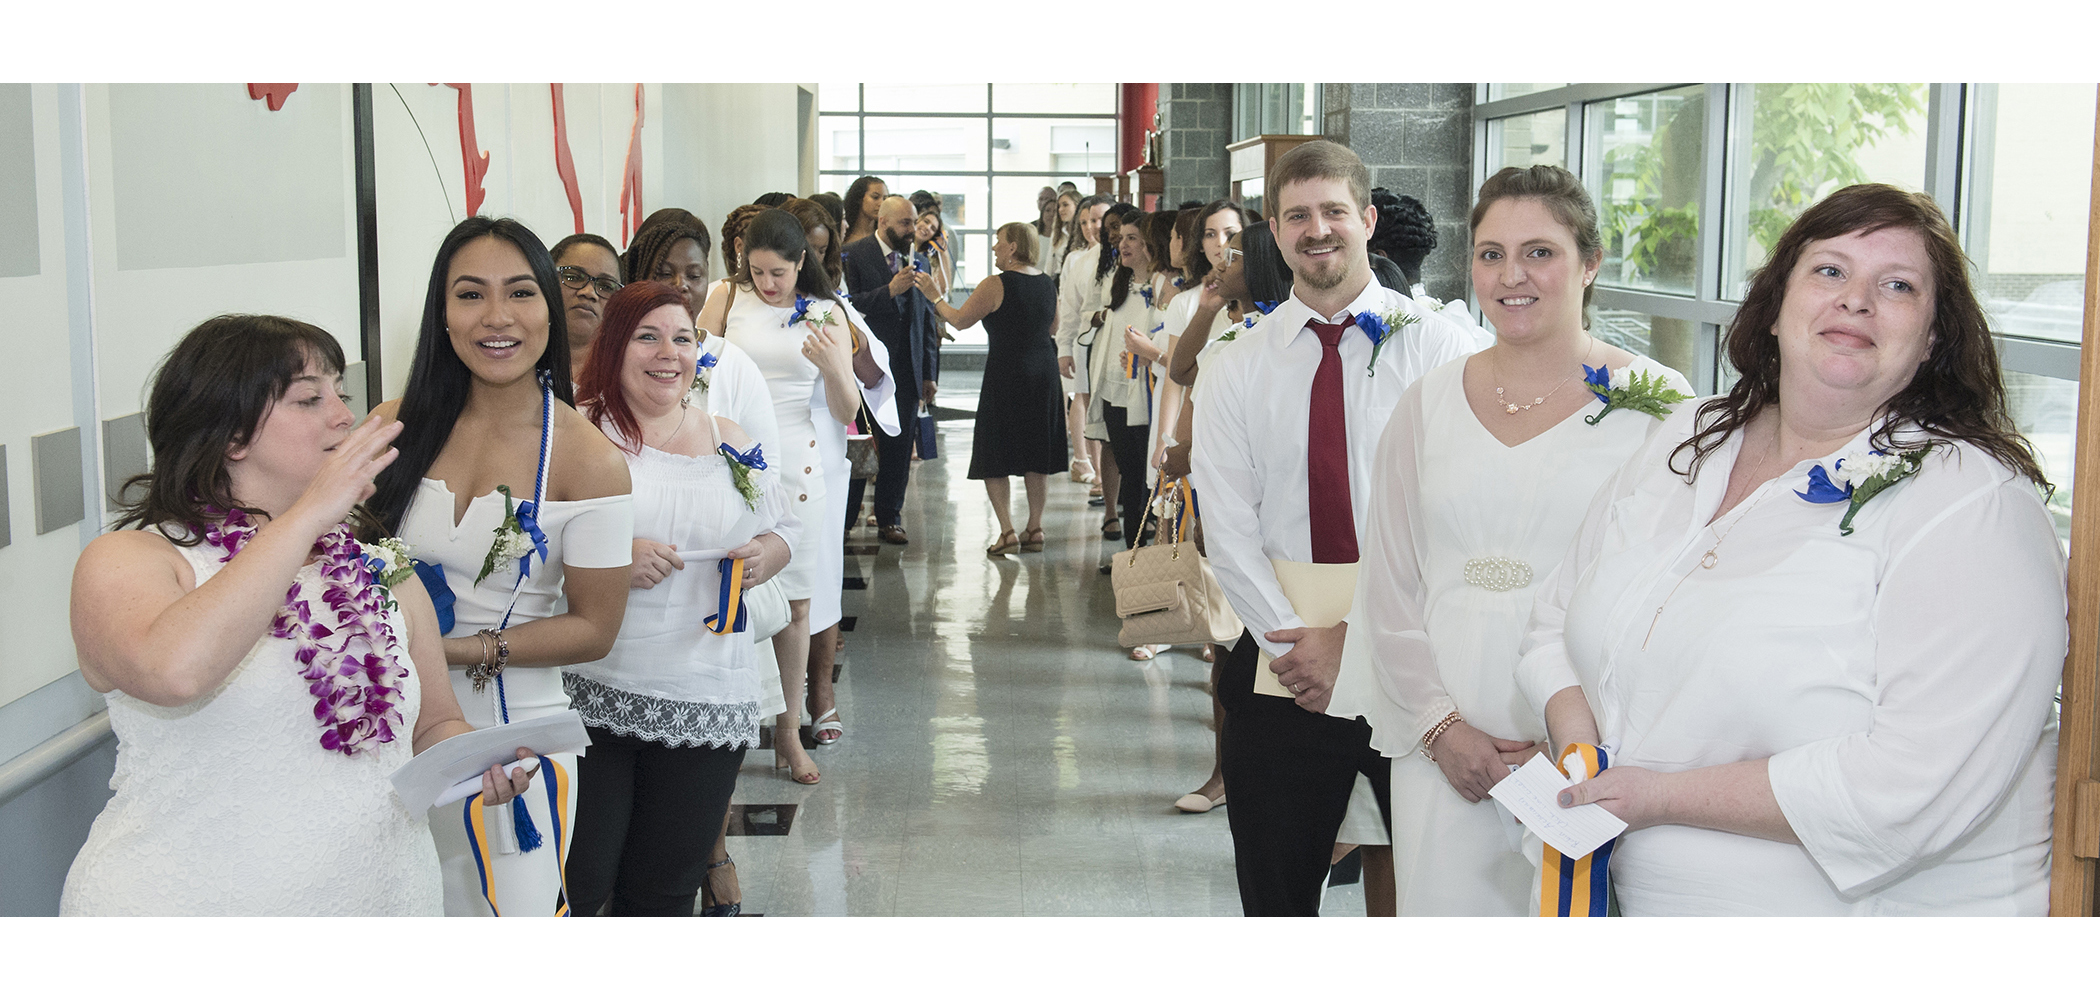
pixel 1319 159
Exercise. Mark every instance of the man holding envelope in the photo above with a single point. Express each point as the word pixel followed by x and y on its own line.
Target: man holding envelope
pixel 1284 434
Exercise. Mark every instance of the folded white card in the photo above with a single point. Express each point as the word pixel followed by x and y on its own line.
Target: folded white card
pixel 1531 793
pixel 452 770
pixel 1321 594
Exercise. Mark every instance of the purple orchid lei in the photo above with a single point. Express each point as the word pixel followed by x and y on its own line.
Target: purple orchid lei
pixel 353 667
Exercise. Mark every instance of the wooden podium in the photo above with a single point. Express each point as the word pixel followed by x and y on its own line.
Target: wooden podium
pixel 1250 163
pixel 1143 187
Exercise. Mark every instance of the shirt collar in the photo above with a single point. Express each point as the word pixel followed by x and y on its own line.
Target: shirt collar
pixel 883 241
pixel 1296 314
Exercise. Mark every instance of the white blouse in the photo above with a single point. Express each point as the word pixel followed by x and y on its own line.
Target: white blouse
pixel 1900 679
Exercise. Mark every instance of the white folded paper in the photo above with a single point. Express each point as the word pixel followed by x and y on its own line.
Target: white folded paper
pixel 1531 793
pixel 452 770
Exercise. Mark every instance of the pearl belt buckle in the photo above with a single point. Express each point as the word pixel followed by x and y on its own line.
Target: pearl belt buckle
pixel 1498 574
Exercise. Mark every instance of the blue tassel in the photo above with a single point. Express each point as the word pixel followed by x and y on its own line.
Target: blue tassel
pixel 528 834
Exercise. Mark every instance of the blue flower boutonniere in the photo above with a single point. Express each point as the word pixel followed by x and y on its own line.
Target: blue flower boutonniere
pixel 701 369
pixel 518 537
pixel 1626 389
pixel 1380 327
pixel 1864 477
pixel 1147 293
pixel 741 466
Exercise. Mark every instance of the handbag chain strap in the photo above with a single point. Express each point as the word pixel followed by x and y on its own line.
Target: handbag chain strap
pixel 1180 530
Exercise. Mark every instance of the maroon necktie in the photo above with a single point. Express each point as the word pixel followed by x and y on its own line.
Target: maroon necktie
pixel 1327 454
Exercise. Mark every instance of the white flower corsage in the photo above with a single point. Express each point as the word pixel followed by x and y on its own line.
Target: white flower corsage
pixel 1864 476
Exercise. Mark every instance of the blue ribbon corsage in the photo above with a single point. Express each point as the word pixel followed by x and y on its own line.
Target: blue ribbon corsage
pixel 441 596
pixel 1870 474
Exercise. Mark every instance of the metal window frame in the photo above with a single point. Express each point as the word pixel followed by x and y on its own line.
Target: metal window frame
pixel 860 115
pixel 1960 125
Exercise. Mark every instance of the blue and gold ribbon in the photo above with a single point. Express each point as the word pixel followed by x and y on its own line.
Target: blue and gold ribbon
pixel 555 779
pixel 730 615
pixel 1577 887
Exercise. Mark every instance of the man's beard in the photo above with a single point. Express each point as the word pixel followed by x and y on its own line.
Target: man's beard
pixel 1341 267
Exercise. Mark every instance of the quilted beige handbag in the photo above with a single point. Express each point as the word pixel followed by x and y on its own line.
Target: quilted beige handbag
pixel 1165 592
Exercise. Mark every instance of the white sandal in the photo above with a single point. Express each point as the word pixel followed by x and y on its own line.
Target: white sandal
pixel 827 723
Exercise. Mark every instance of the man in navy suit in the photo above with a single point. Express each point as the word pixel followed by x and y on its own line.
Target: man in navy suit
pixel 879 282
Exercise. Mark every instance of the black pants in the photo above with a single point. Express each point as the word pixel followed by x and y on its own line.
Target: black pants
pixel 1127 444
pixel 895 472
pixel 647 816
pixel 1290 773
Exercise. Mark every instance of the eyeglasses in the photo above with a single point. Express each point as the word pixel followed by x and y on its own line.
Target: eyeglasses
pixel 576 277
pixel 1233 255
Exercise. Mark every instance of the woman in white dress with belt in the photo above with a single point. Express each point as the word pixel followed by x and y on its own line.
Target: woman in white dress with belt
pixel 1488 464
pixel 1823 657
pixel 780 310
pixel 232 797
pixel 487 412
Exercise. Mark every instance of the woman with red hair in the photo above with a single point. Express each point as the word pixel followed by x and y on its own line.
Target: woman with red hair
pixel 673 707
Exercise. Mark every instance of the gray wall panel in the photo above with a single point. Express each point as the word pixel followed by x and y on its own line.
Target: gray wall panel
pixel 204 175
pixel 20 251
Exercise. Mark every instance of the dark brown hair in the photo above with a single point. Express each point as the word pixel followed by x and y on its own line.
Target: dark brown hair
pixel 733 227
pixel 1159 240
pixel 209 396
pixel 598 390
pixel 812 215
pixel 1563 195
pixel 1199 265
pixel 1957 393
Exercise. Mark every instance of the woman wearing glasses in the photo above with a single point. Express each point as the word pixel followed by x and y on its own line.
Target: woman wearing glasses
pixel 589 271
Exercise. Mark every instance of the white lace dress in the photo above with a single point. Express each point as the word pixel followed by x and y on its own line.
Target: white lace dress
pixel 668 678
pixel 228 806
pixel 586 534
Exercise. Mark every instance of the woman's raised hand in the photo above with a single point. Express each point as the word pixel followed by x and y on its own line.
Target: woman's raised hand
pixel 653 562
pixel 345 480
pixel 829 349
pixel 924 282
pixel 1474 762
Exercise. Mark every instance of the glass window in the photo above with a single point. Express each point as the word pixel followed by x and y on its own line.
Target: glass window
pixel 1054 98
pixel 1807 140
pixel 895 145
pixel 1528 139
pixel 1275 109
pixel 838 97
pixel 2033 249
pixel 1670 341
pixel 962 198
pixel 2046 410
pixel 927 98
pixel 1644 168
pixel 1498 91
pixel 838 142
pixel 1013 196
pixel 1054 145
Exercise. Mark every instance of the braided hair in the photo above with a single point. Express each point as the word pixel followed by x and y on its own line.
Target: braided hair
pixel 1406 232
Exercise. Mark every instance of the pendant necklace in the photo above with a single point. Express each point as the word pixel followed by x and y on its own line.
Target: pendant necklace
pixel 685 409
pixel 1514 408
pixel 1707 561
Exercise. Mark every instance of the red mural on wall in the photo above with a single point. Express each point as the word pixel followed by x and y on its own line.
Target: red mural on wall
pixel 271 94
pixel 564 161
pixel 631 178
pixel 471 155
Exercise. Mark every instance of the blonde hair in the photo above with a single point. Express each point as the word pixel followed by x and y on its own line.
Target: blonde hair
pixel 1023 237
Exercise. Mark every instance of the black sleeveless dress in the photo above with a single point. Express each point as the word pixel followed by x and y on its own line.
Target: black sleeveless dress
pixel 1021 405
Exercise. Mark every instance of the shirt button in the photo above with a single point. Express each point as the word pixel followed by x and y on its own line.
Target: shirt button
pixel 812 444
pixel 803 499
pixel 806 470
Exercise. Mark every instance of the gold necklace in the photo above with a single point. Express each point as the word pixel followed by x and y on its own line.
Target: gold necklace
pixel 685 409
pixel 1707 561
pixel 1514 408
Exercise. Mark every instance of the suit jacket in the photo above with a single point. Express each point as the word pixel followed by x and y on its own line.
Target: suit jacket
pixel 904 323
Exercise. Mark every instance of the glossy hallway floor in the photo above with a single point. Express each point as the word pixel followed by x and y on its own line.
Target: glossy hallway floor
pixel 1002 755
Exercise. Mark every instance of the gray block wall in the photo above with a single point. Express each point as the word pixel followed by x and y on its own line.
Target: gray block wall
pixel 1197 121
pixel 1417 139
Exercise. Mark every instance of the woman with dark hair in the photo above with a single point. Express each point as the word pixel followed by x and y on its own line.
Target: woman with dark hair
pixel 826 539
pixel 1818 621
pixel 930 236
pixel 256 727
pixel 493 450
pixel 1406 233
pixel 1119 380
pixel 1020 408
pixel 834 205
pixel 673 707
pixel 1195 320
pixel 863 203
pixel 1053 228
pixel 781 310
pixel 732 236
pixel 589 270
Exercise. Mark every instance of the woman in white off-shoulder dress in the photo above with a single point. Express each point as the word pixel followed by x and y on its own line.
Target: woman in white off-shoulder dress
pixel 487 409
pixel 232 799
pixel 1488 466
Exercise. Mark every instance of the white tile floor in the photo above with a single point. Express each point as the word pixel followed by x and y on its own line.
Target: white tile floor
pixel 1001 756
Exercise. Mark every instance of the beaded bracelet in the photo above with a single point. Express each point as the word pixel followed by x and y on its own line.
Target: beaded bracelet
pixel 1436 731
pixel 481 673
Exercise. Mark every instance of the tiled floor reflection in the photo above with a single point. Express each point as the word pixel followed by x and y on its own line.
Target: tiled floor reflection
pixel 1001 756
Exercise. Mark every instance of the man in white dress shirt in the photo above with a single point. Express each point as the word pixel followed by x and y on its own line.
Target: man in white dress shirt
pixel 1287 424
